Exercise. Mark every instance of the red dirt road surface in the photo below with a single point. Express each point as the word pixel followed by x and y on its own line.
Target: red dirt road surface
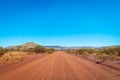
pixel 56 66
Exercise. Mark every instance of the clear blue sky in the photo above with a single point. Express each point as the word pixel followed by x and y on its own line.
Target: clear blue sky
pixel 60 22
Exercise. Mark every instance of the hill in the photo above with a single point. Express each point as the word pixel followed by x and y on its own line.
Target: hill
pixel 24 46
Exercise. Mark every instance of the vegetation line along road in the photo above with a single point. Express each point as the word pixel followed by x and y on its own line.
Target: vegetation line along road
pixel 57 66
pixel 31 61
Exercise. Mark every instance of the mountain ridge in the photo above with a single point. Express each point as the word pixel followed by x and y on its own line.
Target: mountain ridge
pixel 33 44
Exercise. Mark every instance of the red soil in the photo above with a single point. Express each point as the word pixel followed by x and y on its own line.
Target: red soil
pixel 56 66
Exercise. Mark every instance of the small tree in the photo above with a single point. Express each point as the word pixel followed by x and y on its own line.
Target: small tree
pixel 39 49
pixel 2 51
pixel 50 50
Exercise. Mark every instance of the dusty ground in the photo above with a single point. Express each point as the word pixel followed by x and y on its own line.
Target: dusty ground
pixel 57 66
pixel 110 65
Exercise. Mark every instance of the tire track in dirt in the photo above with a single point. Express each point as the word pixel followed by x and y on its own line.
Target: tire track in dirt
pixel 61 70
pixel 56 66
pixel 91 71
pixel 21 72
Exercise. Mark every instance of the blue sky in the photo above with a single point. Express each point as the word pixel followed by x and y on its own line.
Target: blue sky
pixel 60 22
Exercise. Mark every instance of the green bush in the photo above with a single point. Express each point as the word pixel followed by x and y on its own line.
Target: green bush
pixel 50 50
pixel 85 50
pixel 2 51
pixel 102 56
pixel 69 51
pixel 110 50
pixel 39 49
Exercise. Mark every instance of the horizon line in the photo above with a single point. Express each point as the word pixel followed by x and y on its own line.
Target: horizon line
pixel 60 45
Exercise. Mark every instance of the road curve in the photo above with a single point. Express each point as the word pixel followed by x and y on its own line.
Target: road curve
pixel 56 66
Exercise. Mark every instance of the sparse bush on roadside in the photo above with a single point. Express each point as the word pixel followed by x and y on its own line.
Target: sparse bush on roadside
pixel 39 49
pixel 110 51
pixel 14 56
pixel 102 57
pixel 50 50
pixel 2 51
pixel 100 54
pixel 30 50
pixel 85 51
pixel 69 51
pixel 6 57
pixel 113 57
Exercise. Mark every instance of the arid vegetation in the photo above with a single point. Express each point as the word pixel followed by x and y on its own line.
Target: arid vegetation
pixel 20 52
pixel 13 56
pixel 2 51
pixel 99 54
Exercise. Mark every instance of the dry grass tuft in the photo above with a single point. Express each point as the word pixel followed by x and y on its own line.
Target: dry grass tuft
pixel 13 56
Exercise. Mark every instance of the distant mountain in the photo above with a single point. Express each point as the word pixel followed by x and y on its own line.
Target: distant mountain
pixel 63 48
pixel 24 46
pixel 29 45
pixel 55 47
pixel 33 44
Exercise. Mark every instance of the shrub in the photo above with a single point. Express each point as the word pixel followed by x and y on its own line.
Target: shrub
pixel 6 57
pixel 69 51
pixel 110 50
pixel 113 57
pixel 85 50
pixel 2 51
pixel 50 50
pixel 14 55
pixel 102 57
pixel 39 49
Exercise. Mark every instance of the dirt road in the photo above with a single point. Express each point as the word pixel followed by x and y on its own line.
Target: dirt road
pixel 56 66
